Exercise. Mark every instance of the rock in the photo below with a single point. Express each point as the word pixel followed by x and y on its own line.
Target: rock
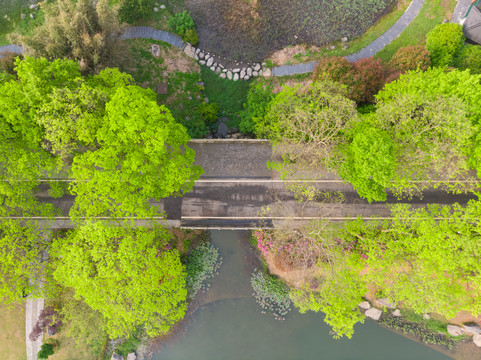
pixel 242 73
pixel 264 64
pixel 206 57
pixel 202 62
pixel 236 77
pixel 246 77
pixel 210 61
pixel 156 50
pixel 477 340
pixel 31 16
pixel 255 73
pixel 33 7
pixel 344 39
pixel 116 356
pixel 471 329
pixel 257 67
pixel 229 75
pixel 209 136
pixel 131 356
pixel 222 76
pixel 215 64
pixel 332 47
pixel 267 73
pixel 385 302
pixel 261 73
pixel 222 130
pixel 365 305
pixel 345 46
pixel 23 16
pixel 201 55
pixel 218 70
pixel 196 57
pixel 373 313
pixel 212 68
pixel 426 316
pixel 197 51
pixel 236 70
pixel 156 9
pixel 454 330
pixel 396 313
pixel 189 50
pixel 162 7
pixel 249 72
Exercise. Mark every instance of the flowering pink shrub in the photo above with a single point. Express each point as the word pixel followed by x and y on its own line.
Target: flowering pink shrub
pixel 264 242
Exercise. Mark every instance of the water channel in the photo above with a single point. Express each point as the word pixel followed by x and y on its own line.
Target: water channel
pixel 229 324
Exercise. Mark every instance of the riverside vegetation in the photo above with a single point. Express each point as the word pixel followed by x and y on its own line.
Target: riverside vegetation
pixel 380 125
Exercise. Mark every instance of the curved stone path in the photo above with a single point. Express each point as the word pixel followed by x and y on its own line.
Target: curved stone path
pixel 377 45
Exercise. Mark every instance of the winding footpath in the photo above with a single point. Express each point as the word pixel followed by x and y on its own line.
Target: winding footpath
pixel 377 45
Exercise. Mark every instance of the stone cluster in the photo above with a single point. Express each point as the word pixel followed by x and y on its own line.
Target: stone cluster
pixel 469 330
pixel 235 74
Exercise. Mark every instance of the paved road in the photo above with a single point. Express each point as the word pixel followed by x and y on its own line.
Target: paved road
pixel 33 309
pixel 234 190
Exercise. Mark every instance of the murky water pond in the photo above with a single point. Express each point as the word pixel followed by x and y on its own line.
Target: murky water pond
pixel 229 324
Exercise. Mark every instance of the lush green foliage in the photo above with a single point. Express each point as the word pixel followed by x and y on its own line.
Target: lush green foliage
pixel 127 274
pixel 131 10
pixel 271 294
pixel 469 58
pixel 183 25
pixel 369 161
pixel 202 264
pixel 306 124
pixel 209 112
pixel 411 58
pixel 45 351
pixel 258 98
pixel 444 43
pixel 77 30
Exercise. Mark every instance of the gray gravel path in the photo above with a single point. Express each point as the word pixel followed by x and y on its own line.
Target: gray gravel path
pixel 377 45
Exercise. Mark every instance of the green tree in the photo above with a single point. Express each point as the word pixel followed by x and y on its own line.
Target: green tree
pixel 306 124
pixel 444 43
pixel 77 30
pixel 22 253
pixel 258 98
pixel 127 274
pixel 131 10
pixel 370 161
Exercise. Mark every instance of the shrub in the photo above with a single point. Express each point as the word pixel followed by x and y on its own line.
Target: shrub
pixel 47 318
pixel 7 62
pixel 209 112
pixel 363 78
pixel 444 43
pixel 258 98
pixel 202 264
pixel 411 58
pixel 191 37
pixel 271 294
pixel 469 58
pixel 131 10
pixel 45 351
pixel 180 23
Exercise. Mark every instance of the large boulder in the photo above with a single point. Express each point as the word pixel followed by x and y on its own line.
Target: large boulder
pixel 385 302
pixel 210 62
pixel 365 305
pixel 471 329
pixel 454 330
pixel 222 130
pixel 477 340
pixel 131 356
pixel 189 50
pixel 373 313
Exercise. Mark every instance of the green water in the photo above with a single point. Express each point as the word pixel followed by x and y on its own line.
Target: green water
pixel 230 325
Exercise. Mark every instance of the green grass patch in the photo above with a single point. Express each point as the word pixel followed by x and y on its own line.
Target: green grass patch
pixel 11 21
pixel 432 13
pixel 227 94
pixel 381 26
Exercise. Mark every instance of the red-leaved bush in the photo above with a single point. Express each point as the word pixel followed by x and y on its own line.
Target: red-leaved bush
pixel 363 78
pixel 47 318
pixel 411 58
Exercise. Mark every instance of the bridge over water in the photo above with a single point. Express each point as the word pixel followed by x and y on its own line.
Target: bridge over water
pixel 237 184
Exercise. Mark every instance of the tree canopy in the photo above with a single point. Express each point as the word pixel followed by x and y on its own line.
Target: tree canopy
pixel 127 274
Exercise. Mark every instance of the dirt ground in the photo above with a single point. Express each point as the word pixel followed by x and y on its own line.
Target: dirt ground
pixel 12 336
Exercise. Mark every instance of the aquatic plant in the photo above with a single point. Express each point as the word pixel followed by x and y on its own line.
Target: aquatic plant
pixel 271 294
pixel 202 264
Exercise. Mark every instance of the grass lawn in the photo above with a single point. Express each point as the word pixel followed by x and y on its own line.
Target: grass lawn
pixel 227 94
pixel 432 13
pixel 12 336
